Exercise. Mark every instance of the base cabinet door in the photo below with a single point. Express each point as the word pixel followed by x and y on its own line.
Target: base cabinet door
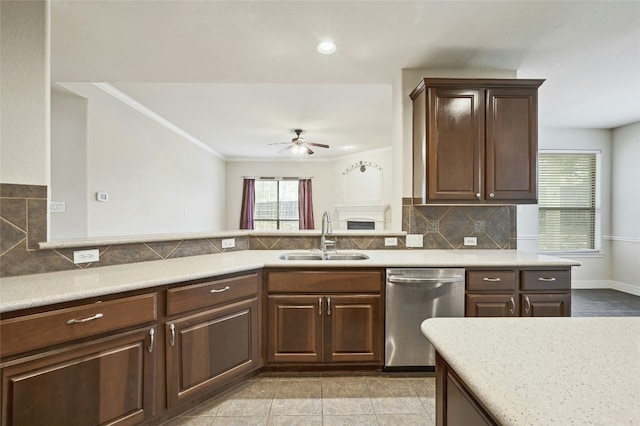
pixel 353 328
pixel 295 332
pixel 107 381
pixel 491 305
pixel 205 350
pixel 546 304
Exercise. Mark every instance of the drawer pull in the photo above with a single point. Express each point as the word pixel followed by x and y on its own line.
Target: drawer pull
pixel 172 341
pixel 492 280
pixel 78 321
pixel 220 290
pixel 152 335
pixel 319 305
pixel 328 306
pixel 512 309
pixel 527 307
pixel 546 279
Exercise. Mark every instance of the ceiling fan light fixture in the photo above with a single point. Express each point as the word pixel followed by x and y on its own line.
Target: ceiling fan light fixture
pixel 298 150
pixel 326 47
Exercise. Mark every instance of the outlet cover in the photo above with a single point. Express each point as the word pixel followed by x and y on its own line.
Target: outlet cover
pixel 86 256
pixel 470 241
pixel 390 241
pixel 228 243
pixel 414 240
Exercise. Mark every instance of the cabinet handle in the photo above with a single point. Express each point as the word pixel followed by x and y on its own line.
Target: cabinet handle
pixel 221 290
pixel 512 302
pixel 328 306
pixel 319 305
pixel 491 195
pixel 478 195
pixel 492 280
pixel 527 305
pixel 78 321
pixel 172 341
pixel 546 279
pixel 152 334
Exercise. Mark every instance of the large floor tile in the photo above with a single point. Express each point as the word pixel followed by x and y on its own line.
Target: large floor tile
pixel 335 406
pixel 244 407
pixel 241 421
pixel 350 420
pixel 296 406
pixel 301 420
pixel 398 405
pixel 405 420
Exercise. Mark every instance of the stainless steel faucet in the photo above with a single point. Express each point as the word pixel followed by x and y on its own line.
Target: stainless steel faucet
pixel 326 230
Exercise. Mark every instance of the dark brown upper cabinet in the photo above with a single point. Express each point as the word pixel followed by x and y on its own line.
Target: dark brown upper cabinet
pixel 475 141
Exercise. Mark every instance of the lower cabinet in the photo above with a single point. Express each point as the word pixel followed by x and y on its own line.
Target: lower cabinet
pixel 205 350
pixel 513 293
pixel 105 381
pixel 325 317
pixel 324 328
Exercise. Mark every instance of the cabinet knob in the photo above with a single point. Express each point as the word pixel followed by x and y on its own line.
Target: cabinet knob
pixel 491 195
pixel 478 195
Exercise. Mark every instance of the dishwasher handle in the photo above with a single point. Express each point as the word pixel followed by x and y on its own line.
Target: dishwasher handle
pixel 443 280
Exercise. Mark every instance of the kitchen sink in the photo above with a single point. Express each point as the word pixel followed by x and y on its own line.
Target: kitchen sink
pixel 302 256
pixel 321 256
pixel 346 256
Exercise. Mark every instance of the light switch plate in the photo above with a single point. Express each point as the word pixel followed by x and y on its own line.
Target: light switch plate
pixel 414 240
pixel 86 256
pixel 228 243
pixel 390 241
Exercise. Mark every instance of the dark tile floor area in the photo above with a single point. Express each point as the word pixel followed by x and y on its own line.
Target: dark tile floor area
pixel 358 399
pixel 604 303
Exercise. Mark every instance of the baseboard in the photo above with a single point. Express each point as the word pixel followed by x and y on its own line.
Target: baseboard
pixel 627 288
pixel 586 284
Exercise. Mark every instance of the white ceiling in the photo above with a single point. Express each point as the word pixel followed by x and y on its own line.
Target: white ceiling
pixel 239 75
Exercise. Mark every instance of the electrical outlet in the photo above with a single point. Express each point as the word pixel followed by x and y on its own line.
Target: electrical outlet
pixel 86 256
pixel 390 241
pixel 414 240
pixel 470 241
pixel 57 207
pixel 228 243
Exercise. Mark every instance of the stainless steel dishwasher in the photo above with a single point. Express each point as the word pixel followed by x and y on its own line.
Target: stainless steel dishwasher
pixel 413 295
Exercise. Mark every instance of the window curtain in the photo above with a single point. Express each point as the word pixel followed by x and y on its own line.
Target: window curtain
pixel 305 204
pixel 248 203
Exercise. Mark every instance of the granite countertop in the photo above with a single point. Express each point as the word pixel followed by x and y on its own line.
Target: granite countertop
pixel 45 289
pixel 540 371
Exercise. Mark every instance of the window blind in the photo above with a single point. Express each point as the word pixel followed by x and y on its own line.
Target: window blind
pixel 566 201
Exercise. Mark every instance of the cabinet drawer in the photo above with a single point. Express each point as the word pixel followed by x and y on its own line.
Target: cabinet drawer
pixel 545 280
pixel 35 331
pixel 325 281
pixel 491 280
pixel 210 293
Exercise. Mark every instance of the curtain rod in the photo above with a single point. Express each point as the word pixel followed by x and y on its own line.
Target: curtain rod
pixel 276 177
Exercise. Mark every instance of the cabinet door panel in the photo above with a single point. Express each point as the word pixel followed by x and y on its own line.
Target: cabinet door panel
pixel 455 128
pixel 92 384
pixel 295 331
pixel 491 305
pixel 211 347
pixel 546 305
pixel 354 328
pixel 511 144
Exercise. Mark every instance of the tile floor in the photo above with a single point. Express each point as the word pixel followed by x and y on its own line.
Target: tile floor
pixel 359 398
pixel 321 399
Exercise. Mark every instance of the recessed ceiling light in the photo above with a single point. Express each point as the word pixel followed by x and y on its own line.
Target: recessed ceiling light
pixel 326 47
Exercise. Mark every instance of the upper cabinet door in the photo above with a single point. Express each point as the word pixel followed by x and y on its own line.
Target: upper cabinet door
pixel 455 133
pixel 511 145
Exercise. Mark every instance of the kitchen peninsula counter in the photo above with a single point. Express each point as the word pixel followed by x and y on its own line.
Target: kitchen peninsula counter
pixel 541 371
pixel 36 290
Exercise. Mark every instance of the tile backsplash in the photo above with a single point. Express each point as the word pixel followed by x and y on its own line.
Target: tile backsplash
pixel 23 224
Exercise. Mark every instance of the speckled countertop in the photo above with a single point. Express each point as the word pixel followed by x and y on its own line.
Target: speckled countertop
pixel 46 289
pixel 543 371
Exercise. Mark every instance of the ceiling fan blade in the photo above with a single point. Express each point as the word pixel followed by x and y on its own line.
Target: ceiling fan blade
pixel 283 150
pixel 321 145
pixel 308 150
pixel 280 143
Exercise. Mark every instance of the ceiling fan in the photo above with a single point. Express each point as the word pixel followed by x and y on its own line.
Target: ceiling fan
pixel 299 145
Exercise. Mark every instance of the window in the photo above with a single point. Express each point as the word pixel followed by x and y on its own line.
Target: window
pixel 568 208
pixel 276 204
